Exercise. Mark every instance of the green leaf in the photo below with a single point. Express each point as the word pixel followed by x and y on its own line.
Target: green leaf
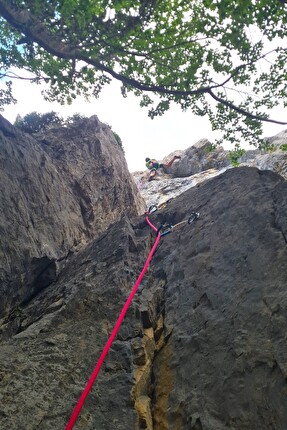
pixel 206 56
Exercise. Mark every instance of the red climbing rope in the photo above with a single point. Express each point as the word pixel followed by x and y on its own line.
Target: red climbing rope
pixel 151 225
pixel 94 375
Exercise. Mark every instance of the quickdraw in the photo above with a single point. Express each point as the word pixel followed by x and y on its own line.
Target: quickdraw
pixel 165 229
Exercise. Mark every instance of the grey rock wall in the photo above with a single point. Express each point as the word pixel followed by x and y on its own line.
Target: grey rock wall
pixel 198 158
pixel 199 163
pixel 203 346
pixel 59 190
pixel 224 365
pixel 275 160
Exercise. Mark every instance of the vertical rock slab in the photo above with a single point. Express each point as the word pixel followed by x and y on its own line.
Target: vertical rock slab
pixel 225 306
pixel 203 345
pixel 59 190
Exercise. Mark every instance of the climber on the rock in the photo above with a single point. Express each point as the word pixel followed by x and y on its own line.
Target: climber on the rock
pixel 153 165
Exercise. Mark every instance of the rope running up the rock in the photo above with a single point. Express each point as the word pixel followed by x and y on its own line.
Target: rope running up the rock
pixel 98 366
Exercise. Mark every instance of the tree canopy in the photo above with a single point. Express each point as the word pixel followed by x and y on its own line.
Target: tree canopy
pixel 34 122
pixel 222 58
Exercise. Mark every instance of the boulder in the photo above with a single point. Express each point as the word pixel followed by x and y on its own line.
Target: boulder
pixel 199 157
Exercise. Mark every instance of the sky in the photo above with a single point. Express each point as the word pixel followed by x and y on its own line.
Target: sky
pixel 141 136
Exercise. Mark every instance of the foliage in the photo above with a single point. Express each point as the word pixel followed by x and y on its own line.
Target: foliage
pixel 210 148
pixel 117 137
pixel 6 96
pixel 266 146
pixel 118 140
pixel 35 122
pixel 235 155
pixel 283 147
pixel 75 119
pixel 211 57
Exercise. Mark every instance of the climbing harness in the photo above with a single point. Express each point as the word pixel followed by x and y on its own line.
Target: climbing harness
pixel 161 231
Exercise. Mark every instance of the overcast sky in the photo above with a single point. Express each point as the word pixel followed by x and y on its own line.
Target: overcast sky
pixel 141 136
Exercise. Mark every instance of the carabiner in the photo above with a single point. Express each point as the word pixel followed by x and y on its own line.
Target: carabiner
pixel 194 216
pixel 166 229
pixel 152 209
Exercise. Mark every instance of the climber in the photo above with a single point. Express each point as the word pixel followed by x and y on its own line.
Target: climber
pixel 153 165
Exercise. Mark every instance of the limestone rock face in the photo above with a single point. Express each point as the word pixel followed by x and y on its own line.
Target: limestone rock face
pixel 203 345
pixel 59 190
pixel 164 187
pixel 225 302
pixel 199 163
pixel 198 158
pixel 276 160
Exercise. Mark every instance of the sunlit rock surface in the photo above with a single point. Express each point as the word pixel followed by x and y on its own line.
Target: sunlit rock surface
pixel 275 160
pixel 164 187
pixel 200 163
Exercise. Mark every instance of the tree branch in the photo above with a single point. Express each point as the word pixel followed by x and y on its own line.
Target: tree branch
pixel 24 22
pixel 242 111
pixel 241 67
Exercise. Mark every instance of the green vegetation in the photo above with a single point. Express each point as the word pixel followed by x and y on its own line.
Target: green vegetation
pixel 235 155
pixel 210 148
pixel 118 140
pixel 284 147
pixel 74 119
pixel 36 122
pixel 211 57
pixel 266 146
